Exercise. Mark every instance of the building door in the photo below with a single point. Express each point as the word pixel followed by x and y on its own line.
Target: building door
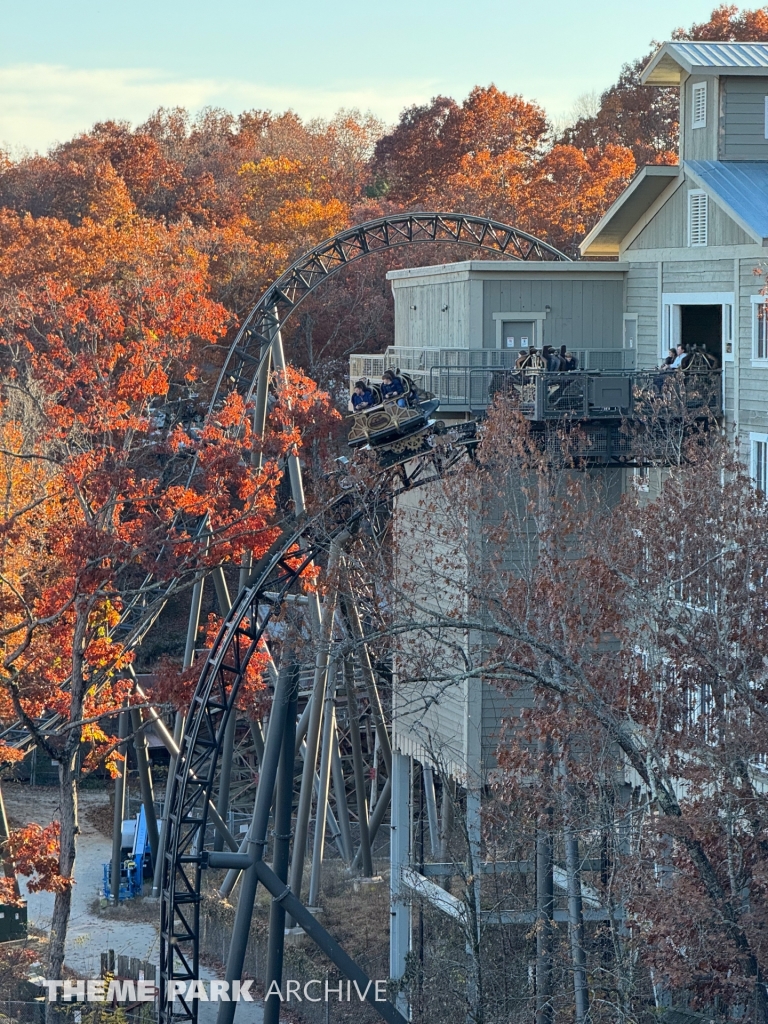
pixel 702 327
pixel 518 334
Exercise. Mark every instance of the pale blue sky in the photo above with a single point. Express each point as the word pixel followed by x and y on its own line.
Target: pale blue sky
pixel 65 65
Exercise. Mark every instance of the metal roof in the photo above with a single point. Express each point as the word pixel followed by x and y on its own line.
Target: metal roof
pixel 673 60
pixel 740 186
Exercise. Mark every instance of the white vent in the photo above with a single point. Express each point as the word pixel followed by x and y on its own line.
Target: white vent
pixel 699 105
pixel 697 217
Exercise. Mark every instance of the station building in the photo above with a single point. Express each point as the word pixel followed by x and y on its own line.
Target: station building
pixel 680 257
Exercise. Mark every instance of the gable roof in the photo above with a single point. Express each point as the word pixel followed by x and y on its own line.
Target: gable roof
pixel 741 187
pixel 673 61
pixel 644 189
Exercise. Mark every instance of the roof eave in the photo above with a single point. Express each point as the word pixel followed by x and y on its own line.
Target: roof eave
pixel 666 67
pixel 594 244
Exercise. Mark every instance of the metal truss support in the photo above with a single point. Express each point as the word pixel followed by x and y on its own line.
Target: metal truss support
pixel 340 793
pixel 117 826
pixel 280 854
pixel 321 805
pixel 145 780
pixel 315 720
pixel 400 860
pixel 374 823
pixel 257 832
pixel 361 797
pixel 353 618
pixel 162 845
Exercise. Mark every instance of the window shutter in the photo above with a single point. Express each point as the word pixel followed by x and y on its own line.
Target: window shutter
pixel 699 105
pixel 697 218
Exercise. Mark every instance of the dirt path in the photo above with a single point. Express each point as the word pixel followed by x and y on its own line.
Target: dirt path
pixel 90 932
pixel 131 930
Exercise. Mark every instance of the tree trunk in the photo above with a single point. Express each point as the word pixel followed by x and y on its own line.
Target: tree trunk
pixel 63 901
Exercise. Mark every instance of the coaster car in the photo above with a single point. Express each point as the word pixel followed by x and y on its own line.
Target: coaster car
pixel 388 421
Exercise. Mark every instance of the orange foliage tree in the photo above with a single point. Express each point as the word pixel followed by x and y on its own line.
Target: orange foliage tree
pixel 105 329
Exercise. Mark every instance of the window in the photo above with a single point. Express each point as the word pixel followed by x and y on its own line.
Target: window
pixel 697 217
pixel 758 467
pixel 759 329
pixel 699 105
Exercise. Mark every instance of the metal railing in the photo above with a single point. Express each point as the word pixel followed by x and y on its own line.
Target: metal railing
pixel 463 376
pixel 589 395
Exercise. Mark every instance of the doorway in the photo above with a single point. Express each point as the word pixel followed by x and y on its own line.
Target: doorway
pixel 702 327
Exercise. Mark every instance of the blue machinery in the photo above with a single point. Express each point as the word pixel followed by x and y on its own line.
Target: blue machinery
pixel 135 858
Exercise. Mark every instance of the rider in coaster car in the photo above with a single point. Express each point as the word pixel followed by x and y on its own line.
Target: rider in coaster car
pixel 392 387
pixel 362 397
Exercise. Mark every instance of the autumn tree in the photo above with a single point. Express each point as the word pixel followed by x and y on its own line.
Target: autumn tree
pixel 104 329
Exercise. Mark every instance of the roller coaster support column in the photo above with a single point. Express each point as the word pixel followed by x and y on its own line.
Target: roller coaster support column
pixel 315 718
pixel 321 808
pixel 281 854
pixel 400 858
pixel 361 797
pixel 340 792
pixel 145 780
pixel 257 832
pixel 117 827
pixel 353 618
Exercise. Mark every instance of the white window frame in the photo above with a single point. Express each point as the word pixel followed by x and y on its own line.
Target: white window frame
pixel 671 319
pixel 758 467
pixel 699 89
pixel 538 318
pixel 766 117
pixel 757 301
pixel 698 194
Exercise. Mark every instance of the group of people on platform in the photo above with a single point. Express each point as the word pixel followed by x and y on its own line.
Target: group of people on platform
pixel 391 387
pixel 680 358
pixel 547 359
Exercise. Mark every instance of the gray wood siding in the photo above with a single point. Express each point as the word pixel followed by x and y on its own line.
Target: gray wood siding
pixel 643 299
pixel 742 127
pixel 753 380
pixel 698 276
pixel 669 228
pixel 429 719
pixel 430 325
pixel 699 143
pixel 583 314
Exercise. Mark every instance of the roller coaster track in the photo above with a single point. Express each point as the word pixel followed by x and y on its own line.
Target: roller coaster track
pixel 240 369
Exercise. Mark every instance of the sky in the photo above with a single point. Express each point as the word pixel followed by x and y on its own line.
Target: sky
pixel 65 65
